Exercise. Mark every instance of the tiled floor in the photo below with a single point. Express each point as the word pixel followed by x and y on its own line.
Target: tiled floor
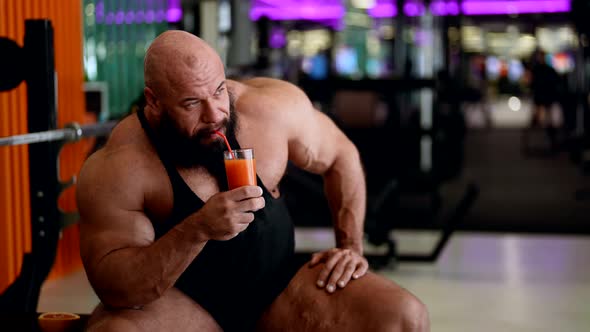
pixel 481 282
pixel 499 282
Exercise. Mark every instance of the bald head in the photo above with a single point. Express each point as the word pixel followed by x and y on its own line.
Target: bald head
pixel 176 54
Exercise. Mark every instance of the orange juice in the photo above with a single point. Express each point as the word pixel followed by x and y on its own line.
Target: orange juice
pixel 240 172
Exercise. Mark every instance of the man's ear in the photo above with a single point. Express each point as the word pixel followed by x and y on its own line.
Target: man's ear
pixel 150 99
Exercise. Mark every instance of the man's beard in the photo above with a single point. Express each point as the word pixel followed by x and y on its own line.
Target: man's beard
pixel 190 152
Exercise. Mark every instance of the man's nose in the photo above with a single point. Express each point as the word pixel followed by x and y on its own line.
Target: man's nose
pixel 212 112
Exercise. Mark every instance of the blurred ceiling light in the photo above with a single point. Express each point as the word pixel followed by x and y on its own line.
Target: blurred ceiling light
pixel 387 32
pixel 414 9
pixel 453 34
pixel 512 29
pixel 294 41
pixel 527 44
pixel 334 9
pixel 89 10
pixel 358 20
pixel 372 44
pixel 382 9
pixel 363 4
pixel 483 7
pixel 472 38
pixel 174 12
pixel 315 41
pixel 514 103
pixel 298 12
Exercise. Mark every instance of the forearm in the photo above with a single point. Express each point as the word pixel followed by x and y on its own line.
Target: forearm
pixel 346 192
pixel 135 276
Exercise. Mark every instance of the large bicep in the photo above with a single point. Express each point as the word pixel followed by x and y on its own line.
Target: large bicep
pixel 111 214
pixel 316 142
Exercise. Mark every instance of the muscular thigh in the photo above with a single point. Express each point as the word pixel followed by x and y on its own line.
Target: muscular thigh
pixel 174 311
pixel 360 306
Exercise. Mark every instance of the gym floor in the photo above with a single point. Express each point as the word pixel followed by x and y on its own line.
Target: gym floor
pixel 481 282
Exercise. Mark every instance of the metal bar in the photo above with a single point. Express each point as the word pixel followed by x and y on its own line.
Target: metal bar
pixel 44 136
pixel 72 132
pixel 97 130
pixel 457 216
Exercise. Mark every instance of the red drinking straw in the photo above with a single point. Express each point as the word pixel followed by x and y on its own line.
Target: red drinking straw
pixel 226 142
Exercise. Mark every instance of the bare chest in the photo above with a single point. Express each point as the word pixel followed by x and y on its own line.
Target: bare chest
pixel 270 152
pixel 160 200
pixel 204 185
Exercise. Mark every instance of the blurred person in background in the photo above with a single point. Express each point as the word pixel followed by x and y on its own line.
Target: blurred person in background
pixel 545 89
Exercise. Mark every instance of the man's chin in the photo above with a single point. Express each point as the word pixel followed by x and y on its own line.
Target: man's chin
pixel 212 143
pixel 209 140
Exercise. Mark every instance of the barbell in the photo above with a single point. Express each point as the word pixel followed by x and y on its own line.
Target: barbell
pixel 70 133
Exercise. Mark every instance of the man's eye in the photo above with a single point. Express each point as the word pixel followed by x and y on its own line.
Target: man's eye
pixel 218 92
pixel 193 103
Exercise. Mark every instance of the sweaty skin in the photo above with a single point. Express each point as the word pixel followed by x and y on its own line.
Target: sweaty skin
pixel 124 188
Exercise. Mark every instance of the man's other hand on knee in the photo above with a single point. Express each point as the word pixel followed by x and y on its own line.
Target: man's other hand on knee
pixel 340 266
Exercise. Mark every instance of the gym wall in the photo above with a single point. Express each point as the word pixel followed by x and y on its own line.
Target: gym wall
pixel 15 237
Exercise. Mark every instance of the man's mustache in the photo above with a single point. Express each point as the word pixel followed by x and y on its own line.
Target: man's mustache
pixel 209 130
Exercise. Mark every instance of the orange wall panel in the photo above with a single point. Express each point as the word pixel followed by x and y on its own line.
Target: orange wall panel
pixel 15 228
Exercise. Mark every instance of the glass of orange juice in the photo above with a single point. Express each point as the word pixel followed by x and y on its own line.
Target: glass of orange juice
pixel 240 168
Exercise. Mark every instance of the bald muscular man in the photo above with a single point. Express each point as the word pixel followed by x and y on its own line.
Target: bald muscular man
pixel 167 247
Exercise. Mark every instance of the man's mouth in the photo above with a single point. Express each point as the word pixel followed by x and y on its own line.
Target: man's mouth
pixel 209 136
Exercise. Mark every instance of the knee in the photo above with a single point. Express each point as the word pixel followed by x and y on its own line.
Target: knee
pixel 413 315
pixel 113 324
pixel 401 312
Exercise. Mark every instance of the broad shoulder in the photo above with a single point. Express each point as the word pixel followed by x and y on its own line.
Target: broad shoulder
pixel 125 164
pixel 270 97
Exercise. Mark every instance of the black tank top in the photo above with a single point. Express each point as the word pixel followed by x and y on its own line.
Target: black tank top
pixel 235 280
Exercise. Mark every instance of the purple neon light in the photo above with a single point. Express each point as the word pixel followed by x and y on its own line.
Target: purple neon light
pixel 139 17
pixel 174 13
pixel 99 12
pixel 149 16
pixel 120 17
pixel 444 8
pixel 438 8
pixel 278 39
pixel 297 3
pixel 305 12
pixel 382 10
pixel 129 17
pixel 110 18
pixel 160 15
pixel 478 7
pixel 452 8
pixel 412 9
pixel 330 10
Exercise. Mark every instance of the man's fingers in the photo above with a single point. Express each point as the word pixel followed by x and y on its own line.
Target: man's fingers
pixel 337 273
pixel 361 269
pixel 245 219
pixel 328 267
pixel 316 258
pixel 244 192
pixel 251 204
pixel 347 274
